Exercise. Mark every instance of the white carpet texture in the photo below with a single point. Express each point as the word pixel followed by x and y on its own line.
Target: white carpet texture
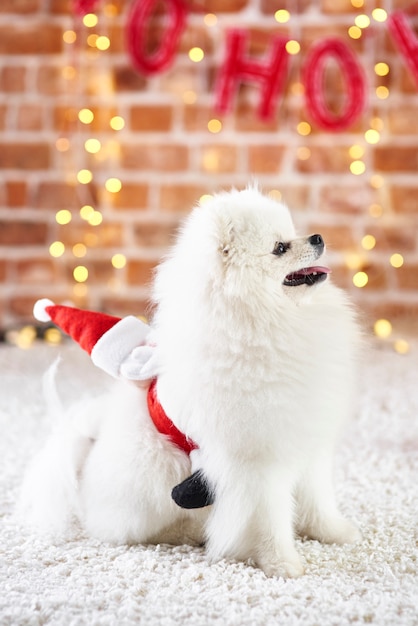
pixel 87 583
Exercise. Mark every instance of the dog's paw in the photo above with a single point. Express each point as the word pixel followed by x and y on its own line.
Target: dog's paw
pixel 281 569
pixel 340 531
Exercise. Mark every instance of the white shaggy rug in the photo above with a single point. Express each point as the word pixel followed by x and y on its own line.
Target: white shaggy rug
pixel 84 582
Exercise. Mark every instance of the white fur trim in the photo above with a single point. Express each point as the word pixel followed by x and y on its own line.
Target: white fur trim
pixel 39 309
pixel 116 344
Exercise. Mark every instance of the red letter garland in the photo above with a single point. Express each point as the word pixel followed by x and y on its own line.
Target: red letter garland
pixel 136 35
pixel 238 68
pixel 406 40
pixel 313 78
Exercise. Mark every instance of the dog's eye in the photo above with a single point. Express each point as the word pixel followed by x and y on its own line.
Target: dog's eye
pixel 280 248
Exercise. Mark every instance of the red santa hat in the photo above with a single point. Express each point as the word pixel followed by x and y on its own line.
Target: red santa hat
pixel 108 339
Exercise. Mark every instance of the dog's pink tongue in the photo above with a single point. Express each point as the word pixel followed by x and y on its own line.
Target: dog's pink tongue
pixel 310 270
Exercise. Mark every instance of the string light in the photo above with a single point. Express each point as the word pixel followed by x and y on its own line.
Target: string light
pixel 368 242
pixel 379 15
pixel 282 16
pixel 117 122
pixel 84 177
pixel 357 4
pixel 79 250
pixel 80 274
pixel 357 168
pixel 90 20
pixel 86 116
pixel 381 69
pixel 56 249
pixel 382 328
pixel 396 260
pixel 382 92
pixel 356 152
pixel 69 36
pixel 86 211
pixel 304 128
pixel 354 32
pixel 118 261
pixel 214 126
pixel 292 47
pixel 102 43
pixel 196 55
pixel 362 21
pixel 210 19
pixel 63 217
pixel 401 346
pixel 360 279
pixel 95 219
pixel 113 185
pixel 372 136
pixel 92 146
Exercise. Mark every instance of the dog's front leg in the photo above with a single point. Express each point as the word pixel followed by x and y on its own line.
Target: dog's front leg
pixel 252 518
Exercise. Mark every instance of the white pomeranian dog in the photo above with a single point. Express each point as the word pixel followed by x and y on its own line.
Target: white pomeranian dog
pixel 256 351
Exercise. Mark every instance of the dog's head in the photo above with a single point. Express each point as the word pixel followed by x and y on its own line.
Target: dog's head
pixel 243 245
pixel 254 240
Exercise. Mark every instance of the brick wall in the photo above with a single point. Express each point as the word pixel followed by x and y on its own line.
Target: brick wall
pixel 166 158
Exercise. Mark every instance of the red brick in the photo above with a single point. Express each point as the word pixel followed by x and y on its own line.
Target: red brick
pixel 16 193
pixel 3 113
pixel 151 118
pixel 61 7
pixel 121 307
pixel 296 197
pixel 222 6
pixel 107 235
pixel 395 158
pixel 31 38
pixel 247 121
pixel 155 234
pixel 30 117
pixel 35 271
pixel 20 6
pixel 22 233
pixel 56 195
pixel 403 120
pixel 408 276
pixel 393 238
pixel 166 158
pixel 196 117
pixel 12 79
pixel 337 7
pixel 3 271
pixel 265 159
pixel 50 80
pixel 218 158
pixel 404 199
pixel 324 159
pixel 271 6
pixel 377 275
pixel 180 197
pixel 351 199
pixel 336 237
pixel 126 79
pixel 131 196
pixel 140 272
pixel 26 156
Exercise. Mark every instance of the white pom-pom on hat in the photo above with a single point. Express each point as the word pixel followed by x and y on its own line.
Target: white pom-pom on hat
pixel 39 310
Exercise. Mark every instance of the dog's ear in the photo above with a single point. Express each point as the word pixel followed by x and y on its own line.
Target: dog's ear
pixel 225 235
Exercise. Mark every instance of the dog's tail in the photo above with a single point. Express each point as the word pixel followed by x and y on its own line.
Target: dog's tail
pixel 49 496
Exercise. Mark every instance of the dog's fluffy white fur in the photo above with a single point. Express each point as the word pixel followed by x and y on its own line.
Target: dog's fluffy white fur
pixel 259 374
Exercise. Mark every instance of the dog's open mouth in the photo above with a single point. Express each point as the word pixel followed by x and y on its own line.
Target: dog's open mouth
pixel 306 276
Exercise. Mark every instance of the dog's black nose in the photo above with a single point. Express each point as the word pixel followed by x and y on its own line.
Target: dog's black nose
pixel 317 241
